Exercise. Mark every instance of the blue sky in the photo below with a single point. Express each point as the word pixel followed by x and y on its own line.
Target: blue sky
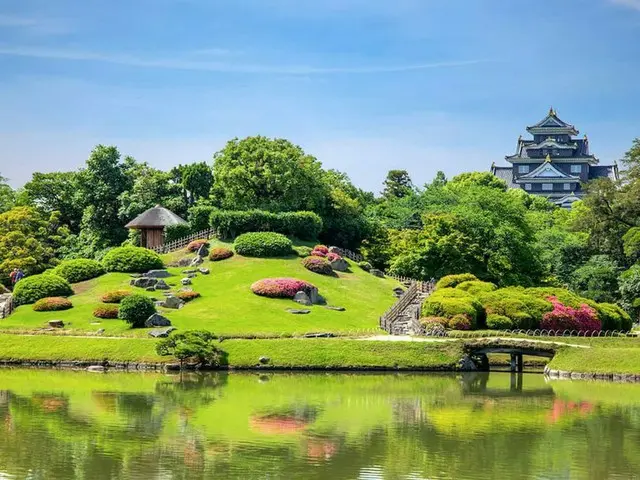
pixel 364 85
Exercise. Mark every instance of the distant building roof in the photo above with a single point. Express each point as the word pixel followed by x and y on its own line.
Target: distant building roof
pixel 506 174
pixel 603 171
pixel 156 217
pixel 551 123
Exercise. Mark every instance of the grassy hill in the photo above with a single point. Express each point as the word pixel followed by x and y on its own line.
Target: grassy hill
pixel 227 305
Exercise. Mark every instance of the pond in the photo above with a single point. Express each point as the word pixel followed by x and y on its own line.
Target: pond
pixel 78 425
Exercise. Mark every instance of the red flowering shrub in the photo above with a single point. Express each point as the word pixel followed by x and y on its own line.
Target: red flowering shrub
pixel 317 265
pixel 116 296
pixel 187 296
pixel 50 304
pixel 321 248
pixel 280 287
pixel 196 244
pixel 220 253
pixel 318 253
pixel 332 257
pixel 431 321
pixel 460 322
pixel 106 311
pixel 583 319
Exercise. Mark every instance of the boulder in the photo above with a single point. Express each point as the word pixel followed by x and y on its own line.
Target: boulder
pixel 189 270
pixel 96 368
pixel 203 251
pixel 376 273
pixel 314 296
pixel 264 360
pixel 161 332
pixel 337 309
pixel 204 271
pixel 157 274
pixel 196 261
pixel 191 275
pixel 337 250
pixel 157 320
pixel 340 265
pixel 150 289
pixel 297 311
pixel 159 303
pixel 56 323
pixel 435 330
pixel 144 282
pixel 302 298
pixel 398 291
pixel 319 335
pixel 185 281
pixel 184 262
pixel 466 364
pixel 162 285
pixel 100 331
pixel 136 275
pixel 172 302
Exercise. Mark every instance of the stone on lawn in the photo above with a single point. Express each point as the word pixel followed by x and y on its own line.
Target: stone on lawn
pixel 203 251
pixel 191 275
pixel 161 332
pixel 376 273
pixel 185 281
pixel 56 323
pixel 157 274
pixel 196 261
pixel 204 271
pixel 100 331
pixel 150 289
pixel 297 311
pixel 96 368
pixel 144 282
pixel 302 298
pixel 398 291
pixel 157 320
pixel 314 296
pixel 264 360
pixel 184 262
pixel 337 309
pixel 172 302
pixel 340 265
pixel 189 270
pixel 162 285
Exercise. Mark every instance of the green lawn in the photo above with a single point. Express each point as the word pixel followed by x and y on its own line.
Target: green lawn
pixel 227 306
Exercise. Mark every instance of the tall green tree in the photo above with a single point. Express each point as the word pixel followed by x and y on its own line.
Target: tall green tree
pixel 398 184
pixel 7 195
pixel 100 185
pixel 269 174
pixel 197 180
pixel 57 191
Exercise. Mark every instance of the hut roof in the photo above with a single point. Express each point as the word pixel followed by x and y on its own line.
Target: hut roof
pixel 156 217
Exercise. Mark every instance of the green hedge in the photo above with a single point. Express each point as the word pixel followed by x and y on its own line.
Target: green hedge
pixel 78 270
pixel 176 232
pixel 136 309
pixel 523 308
pixel 263 244
pixel 449 302
pixel 303 225
pixel 131 259
pixel 476 287
pixel 450 281
pixel 33 288
pixel 199 217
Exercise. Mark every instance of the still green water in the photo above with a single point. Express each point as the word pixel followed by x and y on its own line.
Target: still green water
pixel 77 425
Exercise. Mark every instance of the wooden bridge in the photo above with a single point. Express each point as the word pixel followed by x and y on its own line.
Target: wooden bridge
pixel 517 348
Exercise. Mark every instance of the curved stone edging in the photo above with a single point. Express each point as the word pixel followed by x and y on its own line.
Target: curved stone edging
pixel 614 377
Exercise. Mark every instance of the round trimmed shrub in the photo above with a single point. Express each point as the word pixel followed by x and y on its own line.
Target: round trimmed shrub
pixel 106 311
pixel 35 287
pixel 135 309
pixel 524 309
pixel 460 322
pixel 317 265
pixel 280 287
pixel 332 257
pixel 476 287
pixel 499 322
pixel 195 245
pixel 612 316
pixel 263 244
pixel 115 296
pixel 451 281
pixel 79 270
pixel 51 304
pixel 321 248
pixel 428 321
pixel 131 259
pixel 366 266
pixel 187 296
pixel 449 302
pixel 220 253
pixel 303 251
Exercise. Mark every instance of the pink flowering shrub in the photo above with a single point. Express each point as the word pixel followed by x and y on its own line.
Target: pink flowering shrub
pixel 321 248
pixel 460 322
pixel 280 287
pixel 317 265
pixel 318 253
pixel 583 319
pixel 332 257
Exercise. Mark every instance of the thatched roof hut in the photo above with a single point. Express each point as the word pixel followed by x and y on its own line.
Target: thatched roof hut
pixel 152 223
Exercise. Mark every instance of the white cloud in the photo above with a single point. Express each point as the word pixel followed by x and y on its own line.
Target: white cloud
pixel 182 64
pixel 634 4
pixel 33 25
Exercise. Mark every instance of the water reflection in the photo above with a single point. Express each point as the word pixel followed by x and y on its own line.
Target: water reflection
pixel 66 425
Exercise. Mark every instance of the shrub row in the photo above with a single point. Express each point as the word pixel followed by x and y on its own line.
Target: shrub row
pixel 79 270
pixel 263 244
pixel 228 224
pixel 280 287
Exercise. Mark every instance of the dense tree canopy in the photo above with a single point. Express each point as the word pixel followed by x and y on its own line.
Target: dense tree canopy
pixel 398 184
pixel 7 195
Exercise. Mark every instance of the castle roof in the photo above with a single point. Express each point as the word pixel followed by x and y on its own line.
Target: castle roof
pixel 552 124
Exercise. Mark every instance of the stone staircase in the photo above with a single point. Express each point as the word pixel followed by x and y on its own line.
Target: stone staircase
pixel 6 305
pixel 403 317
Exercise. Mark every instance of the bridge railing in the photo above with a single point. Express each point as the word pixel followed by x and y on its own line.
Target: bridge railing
pixel 531 333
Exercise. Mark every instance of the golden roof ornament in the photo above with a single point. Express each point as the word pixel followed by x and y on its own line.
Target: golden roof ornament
pixel 552 112
pixel 548 159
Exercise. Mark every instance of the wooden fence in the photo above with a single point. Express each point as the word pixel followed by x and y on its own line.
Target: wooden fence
pixel 184 241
